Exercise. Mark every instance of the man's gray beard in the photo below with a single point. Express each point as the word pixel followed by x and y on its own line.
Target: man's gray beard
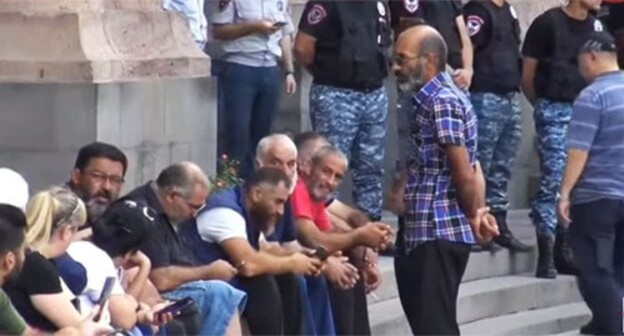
pixel 95 210
pixel 293 182
pixel 412 85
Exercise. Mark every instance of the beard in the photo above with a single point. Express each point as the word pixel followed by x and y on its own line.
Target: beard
pixel 263 219
pixel 11 279
pixel 293 182
pixel 411 83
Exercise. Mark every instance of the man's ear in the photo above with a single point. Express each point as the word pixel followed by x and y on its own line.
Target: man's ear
pixel 76 175
pixel 257 163
pixel 8 262
pixel 256 194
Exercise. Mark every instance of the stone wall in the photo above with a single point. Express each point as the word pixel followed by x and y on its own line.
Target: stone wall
pixel 123 72
pixel 294 112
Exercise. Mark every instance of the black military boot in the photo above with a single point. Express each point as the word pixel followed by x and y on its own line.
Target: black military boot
pixel 506 238
pixel 564 258
pixel 545 259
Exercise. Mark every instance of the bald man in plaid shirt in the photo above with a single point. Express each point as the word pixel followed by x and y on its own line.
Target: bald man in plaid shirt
pixel 444 195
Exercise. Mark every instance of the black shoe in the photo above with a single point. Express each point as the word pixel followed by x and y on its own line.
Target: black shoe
pixel 490 247
pixel 545 261
pixel 506 238
pixel 590 329
pixel 564 258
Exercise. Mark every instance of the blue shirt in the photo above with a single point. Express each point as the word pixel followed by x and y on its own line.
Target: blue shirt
pixel 597 126
pixel 442 116
pixel 193 10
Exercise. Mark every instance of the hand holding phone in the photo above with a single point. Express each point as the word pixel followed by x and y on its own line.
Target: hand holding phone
pixel 104 295
pixel 279 24
pixel 177 307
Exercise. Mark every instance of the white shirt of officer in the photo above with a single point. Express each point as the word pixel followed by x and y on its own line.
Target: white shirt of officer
pixel 256 49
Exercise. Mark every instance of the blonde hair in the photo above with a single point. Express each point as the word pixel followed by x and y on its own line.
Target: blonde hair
pixel 50 210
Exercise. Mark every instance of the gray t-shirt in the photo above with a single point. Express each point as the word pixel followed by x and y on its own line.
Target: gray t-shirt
pixel 597 126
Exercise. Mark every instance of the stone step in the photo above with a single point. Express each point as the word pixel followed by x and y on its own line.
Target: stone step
pixel 566 319
pixel 481 265
pixel 486 298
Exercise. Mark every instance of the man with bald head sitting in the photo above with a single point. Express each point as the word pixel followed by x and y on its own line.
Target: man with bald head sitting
pixel 444 197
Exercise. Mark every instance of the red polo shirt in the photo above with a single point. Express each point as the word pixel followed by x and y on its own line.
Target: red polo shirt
pixel 305 207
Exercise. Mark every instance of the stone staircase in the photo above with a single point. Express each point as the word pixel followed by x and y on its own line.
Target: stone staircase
pixel 499 295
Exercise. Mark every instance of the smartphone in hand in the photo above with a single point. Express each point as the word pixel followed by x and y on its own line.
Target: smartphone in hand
pixel 104 295
pixel 177 307
pixel 279 24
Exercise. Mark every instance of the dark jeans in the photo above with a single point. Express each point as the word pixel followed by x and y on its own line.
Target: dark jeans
pixel 273 304
pixel 349 308
pixel 317 312
pixel 251 97
pixel 596 237
pixel 428 280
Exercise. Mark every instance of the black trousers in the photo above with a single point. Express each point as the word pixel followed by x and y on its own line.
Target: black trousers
pixel 596 237
pixel 273 305
pixel 350 308
pixel 428 280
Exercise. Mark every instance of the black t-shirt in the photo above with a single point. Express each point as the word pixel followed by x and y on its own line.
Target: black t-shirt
pixel 538 42
pixel 38 277
pixel 440 14
pixel 165 246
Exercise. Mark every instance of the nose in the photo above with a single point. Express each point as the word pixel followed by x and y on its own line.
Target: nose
pixel 106 185
pixel 395 67
pixel 279 210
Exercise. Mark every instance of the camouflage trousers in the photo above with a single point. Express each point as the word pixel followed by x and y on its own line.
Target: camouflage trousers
pixel 499 133
pixel 551 125
pixel 356 123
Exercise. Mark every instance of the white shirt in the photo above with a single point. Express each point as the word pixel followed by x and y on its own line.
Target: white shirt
pixel 220 224
pixel 98 265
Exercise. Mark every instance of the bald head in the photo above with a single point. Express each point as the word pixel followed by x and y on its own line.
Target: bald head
pixel 183 177
pixel 424 40
pixel 274 142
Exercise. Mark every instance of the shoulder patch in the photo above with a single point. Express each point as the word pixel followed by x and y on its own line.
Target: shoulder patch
pixel 411 5
pixel 474 24
pixel 223 4
pixel 598 26
pixel 316 14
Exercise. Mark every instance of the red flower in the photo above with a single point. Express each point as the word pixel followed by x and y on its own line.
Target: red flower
pixel 224 157
pixel 220 184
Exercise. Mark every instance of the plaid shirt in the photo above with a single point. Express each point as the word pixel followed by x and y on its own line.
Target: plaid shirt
pixel 442 115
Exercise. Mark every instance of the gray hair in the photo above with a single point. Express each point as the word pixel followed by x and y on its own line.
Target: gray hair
pixel 270 141
pixel 325 151
pixel 434 44
pixel 182 177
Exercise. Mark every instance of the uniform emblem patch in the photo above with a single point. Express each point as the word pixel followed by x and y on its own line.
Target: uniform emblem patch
pixel 280 6
pixel 598 26
pixel 474 24
pixel 411 5
pixel 316 14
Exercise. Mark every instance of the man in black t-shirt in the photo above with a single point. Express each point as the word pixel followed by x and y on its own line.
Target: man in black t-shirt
pixel 551 81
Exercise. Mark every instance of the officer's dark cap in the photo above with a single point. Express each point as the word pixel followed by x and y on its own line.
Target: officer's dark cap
pixel 598 42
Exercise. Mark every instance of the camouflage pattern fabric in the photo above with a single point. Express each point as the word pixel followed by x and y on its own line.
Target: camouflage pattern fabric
pixel 499 132
pixel 356 123
pixel 551 125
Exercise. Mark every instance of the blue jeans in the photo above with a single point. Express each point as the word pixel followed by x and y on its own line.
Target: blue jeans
pixel 216 300
pixel 251 96
pixel 317 313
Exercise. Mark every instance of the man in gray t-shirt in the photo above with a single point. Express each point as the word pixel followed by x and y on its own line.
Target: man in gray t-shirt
pixel 592 191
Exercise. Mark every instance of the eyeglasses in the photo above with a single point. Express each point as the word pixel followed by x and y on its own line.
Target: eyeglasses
pixel 401 60
pixel 100 177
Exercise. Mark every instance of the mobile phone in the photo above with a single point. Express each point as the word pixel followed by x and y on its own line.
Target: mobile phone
pixel 177 307
pixel 279 24
pixel 321 253
pixel 104 295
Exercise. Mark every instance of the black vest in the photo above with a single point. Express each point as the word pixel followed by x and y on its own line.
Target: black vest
pixel 437 13
pixel 558 78
pixel 497 65
pixel 359 61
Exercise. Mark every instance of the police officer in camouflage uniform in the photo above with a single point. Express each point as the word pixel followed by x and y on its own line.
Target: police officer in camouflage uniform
pixel 551 81
pixel 344 45
pixel 495 94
